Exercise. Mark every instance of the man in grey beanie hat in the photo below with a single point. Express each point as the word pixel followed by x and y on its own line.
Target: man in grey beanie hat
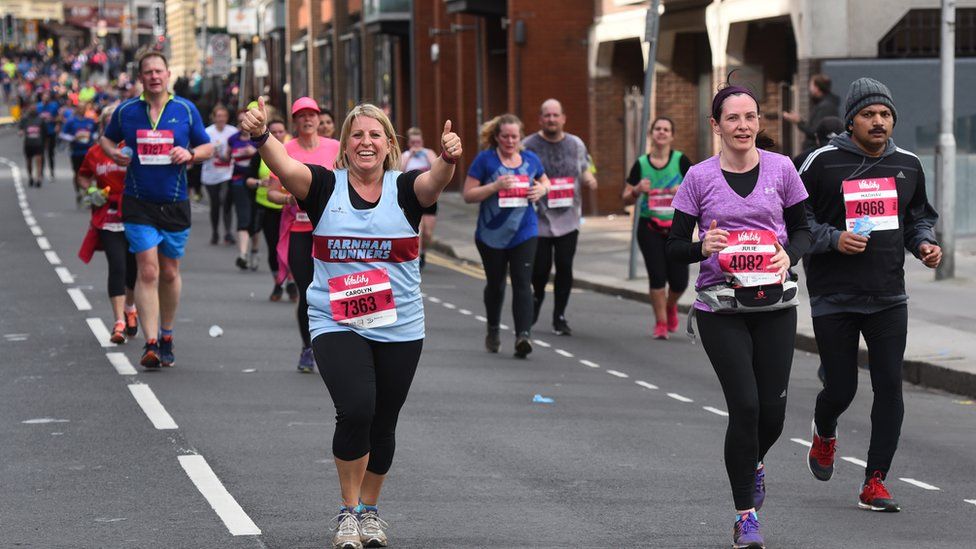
pixel 864 92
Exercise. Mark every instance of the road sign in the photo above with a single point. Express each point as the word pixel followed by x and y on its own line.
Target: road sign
pixel 219 59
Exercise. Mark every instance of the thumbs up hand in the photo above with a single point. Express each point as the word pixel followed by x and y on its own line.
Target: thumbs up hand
pixel 450 144
pixel 254 121
pixel 715 240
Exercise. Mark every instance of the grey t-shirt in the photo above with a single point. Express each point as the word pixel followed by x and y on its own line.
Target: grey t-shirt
pixel 565 158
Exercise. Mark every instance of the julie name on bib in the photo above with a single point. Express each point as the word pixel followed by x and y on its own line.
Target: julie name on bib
pixel 517 195
pixel 876 198
pixel 154 146
pixel 562 190
pixel 363 299
pixel 745 259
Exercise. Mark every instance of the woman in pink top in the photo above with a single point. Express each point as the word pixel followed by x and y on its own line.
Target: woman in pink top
pixel 295 236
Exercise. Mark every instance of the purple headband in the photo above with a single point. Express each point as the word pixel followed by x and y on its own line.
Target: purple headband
pixel 724 94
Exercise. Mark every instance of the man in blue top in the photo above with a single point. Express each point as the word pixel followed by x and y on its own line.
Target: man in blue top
pixel 80 132
pixel 167 134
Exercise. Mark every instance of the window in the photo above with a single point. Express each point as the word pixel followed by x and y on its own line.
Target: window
pixel 918 34
pixel 354 72
pixel 383 71
pixel 299 71
pixel 325 73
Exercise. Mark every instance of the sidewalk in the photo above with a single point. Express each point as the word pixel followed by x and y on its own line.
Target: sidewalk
pixel 941 351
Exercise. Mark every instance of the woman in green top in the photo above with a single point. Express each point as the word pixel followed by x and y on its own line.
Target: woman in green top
pixel 652 182
pixel 267 218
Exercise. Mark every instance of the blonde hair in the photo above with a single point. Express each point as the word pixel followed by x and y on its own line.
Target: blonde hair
pixel 392 160
pixel 414 131
pixel 106 115
pixel 488 136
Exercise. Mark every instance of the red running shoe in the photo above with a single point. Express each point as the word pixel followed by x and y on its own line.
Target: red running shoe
pixel 875 496
pixel 673 319
pixel 661 330
pixel 150 355
pixel 118 333
pixel 820 458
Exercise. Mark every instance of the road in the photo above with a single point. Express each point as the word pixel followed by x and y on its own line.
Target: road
pixel 629 454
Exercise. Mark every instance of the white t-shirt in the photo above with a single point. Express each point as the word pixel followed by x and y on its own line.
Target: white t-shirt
pixel 216 171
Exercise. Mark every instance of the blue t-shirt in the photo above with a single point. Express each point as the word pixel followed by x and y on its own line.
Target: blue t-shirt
pixel 49 113
pixel 180 121
pixel 499 227
pixel 79 147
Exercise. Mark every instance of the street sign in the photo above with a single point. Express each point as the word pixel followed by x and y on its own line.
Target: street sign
pixel 242 21
pixel 219 58
pixel 261 68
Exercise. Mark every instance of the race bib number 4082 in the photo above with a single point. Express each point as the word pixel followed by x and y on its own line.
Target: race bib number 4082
pixel 876 198
pixel 363 299
pixel 154 146
pixel 744 262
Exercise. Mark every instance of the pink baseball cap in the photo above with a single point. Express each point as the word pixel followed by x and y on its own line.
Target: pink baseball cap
pixel 303 103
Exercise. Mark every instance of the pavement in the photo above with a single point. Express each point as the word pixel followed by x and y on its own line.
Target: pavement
pixel 941 350
pixel 627 454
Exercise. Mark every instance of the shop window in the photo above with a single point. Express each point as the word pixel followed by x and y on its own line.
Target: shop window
pixel 299 72
pixel 918 34
pixel 325 73
pixel 354 73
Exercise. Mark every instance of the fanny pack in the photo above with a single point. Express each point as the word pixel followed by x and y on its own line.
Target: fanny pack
pixel 724 298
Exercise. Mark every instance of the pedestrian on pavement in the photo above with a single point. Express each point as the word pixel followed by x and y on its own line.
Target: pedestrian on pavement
pixel 80 132
pixel 653 181
pixel 823 103
pixel 32 130
pixel 828 128
pixel 168 135
pixel 507 181
pixel 241 152
pixel 294 247
pixel 418 157
pixel 867 203
pixel 748 205
pixel 566 163
pixel 267 214
pixel 216 173
pixel 104 181
pixel 367 218
pixel 327 126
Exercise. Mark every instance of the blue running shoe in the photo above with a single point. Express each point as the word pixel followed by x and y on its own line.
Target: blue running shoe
pixel 759 492
pixel 746 534
pixel 306 362
pixel 166 357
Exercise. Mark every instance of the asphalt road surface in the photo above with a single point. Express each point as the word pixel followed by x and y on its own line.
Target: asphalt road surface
pixel 231 448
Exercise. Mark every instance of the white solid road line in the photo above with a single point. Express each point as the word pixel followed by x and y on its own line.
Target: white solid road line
pixel 52 257
pixel 803 442
pixel 541 343
pixel 855 461
pixel 617 374
pixel 566 354
pixel 101 332
pixel 679 398
pixel 224 504
pixel 79 298
pixel 153 409
pixel 920 484
pixel 43 243
pixel 647 385
pixel 589 363
pixel 715 411
pixel 121 364
pixel 65 275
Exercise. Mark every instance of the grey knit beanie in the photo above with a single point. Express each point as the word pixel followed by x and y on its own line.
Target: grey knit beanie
pixel 864 92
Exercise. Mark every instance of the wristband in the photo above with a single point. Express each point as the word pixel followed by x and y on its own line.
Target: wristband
pixel 260 140
pixel 447 158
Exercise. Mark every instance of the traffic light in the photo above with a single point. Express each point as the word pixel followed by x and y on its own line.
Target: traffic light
pixel 9 30
pixel 159 18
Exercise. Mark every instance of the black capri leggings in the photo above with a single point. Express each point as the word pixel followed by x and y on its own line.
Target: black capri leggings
pixel 243 204
pixel 50 142
pixel 220 200
pixel 563 249
pixel 268 221
pixel 518 261
pixel 300 263
pixel 752 354
pixel 660 270
pixel 368 382
pixel 121 262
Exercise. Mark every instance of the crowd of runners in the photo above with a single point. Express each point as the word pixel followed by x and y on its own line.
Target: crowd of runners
pixel 345 211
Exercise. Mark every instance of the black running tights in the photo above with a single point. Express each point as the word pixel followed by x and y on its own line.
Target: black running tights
pixel 121 262
pixel 752 354
pixel 368 382
pixel 838 336
pixel 270 225
pixel 562 248
pixel 300 263
pixel 518 262
pixel 661 270
pixel 220 201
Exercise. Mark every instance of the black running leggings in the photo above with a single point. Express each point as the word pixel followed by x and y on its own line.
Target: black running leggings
pixel 518 262
pixel 300 263
pixel 220 200
pixel 268 221
pixel 50 141
pixel 368 382
pixel 661 271
pixel 562 248
pixel 752 354
pixel 885 333
pixel 121 262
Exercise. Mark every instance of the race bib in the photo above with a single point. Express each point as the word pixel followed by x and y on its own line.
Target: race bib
pixel 745 259
pixel 661 203
pixel 82 136
pixel 562 190
pixel 302 217
pixel 154 146
pixel 876 198
pixel 363 299
pixel 34 132
pixel 517 196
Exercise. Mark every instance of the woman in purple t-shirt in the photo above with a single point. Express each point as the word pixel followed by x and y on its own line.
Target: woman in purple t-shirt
pixel 748 204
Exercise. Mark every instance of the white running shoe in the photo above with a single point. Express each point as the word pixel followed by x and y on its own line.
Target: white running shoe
pixel 373 528
pixel 347 533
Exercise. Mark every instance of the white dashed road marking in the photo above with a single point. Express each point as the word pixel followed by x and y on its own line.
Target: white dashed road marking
pixel 803 442
pixel 43 243
pixel 855 461
pixel 65 275
pixel 541 343
pixel 564 353
pixel 715 411
pixel 647 385
pixel 153 409
pixel 224 504
pixel 78 296
pixel 101 332
pixel 52 257
pixel 449 306
pixel 121 364
pixel 679 398
pixel 590 364
pixel 920 484
pixel 615 373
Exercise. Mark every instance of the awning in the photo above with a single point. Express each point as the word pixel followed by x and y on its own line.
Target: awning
pixel 60 29
pixel 34 10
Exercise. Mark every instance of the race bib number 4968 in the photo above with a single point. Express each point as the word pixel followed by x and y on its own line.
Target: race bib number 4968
pixel 747 257
pixel 363 299
pixel 154 146
pixel 876 198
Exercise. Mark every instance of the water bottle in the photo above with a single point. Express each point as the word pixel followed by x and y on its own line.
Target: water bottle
pixel 126 151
